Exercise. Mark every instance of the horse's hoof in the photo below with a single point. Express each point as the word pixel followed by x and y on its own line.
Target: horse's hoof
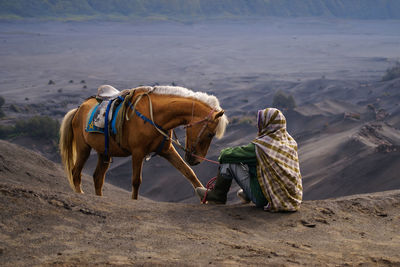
pixel 79 191
pixel 200 191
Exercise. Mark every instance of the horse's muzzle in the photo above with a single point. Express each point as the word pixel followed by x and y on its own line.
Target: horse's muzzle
pixel 191 159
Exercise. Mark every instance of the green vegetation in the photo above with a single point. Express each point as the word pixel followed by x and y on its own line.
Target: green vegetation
pixel 15 108
pixel 39 127
pixel 283 101
pixel 196 9
pixel 392 73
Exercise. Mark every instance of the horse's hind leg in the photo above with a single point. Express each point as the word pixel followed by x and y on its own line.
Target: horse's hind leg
pixel 82 154
pixel 99 174
pixel 137 163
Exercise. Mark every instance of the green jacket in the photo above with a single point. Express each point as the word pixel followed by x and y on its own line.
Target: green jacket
pixel 246 155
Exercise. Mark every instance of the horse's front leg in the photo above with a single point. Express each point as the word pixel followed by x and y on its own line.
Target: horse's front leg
pixel 176 160
pixel 137 164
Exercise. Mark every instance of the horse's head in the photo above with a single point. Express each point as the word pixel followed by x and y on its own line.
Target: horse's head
pixel 199 135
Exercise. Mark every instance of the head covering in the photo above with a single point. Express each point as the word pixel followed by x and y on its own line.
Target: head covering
pixel 278 169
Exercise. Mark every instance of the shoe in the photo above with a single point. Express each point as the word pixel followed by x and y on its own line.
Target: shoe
pixel 243 197
pixel 217 195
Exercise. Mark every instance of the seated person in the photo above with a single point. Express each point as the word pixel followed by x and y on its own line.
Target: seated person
pixel 267 169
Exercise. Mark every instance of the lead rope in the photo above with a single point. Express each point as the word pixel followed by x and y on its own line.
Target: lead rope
pixel 210 186
pixel 205 159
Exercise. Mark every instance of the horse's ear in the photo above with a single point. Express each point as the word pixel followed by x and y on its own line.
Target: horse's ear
pixel 219 114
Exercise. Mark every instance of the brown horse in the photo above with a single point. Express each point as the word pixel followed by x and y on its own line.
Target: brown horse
pixel 168 107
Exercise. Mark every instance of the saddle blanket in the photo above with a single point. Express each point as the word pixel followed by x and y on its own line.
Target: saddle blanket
pixel 97 116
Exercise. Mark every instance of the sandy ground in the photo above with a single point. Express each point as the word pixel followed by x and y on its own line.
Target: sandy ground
pixel 331 67
pixel 44 223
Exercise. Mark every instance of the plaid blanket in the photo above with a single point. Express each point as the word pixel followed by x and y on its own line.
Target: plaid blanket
pixel 278 169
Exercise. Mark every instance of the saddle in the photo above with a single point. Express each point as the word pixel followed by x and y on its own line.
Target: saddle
pixel 107 92
pixel 110 100
pixel 102 117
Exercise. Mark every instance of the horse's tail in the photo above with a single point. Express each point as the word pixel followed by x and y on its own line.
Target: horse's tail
pixel 67 145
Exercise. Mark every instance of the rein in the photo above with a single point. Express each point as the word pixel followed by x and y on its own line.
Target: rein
pixel 163 132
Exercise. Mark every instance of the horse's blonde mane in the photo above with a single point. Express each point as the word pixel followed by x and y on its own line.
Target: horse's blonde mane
pixel 210 100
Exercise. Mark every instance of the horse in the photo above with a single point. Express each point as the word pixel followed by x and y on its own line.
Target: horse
pixel 166 108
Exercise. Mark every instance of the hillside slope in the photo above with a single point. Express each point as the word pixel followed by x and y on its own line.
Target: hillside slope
pixel 357 160
pixel 195 9
pixel 42 222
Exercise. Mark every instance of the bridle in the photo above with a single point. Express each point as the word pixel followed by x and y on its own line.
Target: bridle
pixel 204 121
pixel 167 137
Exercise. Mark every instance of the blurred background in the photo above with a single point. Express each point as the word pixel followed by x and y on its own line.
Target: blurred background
pixel 331 66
